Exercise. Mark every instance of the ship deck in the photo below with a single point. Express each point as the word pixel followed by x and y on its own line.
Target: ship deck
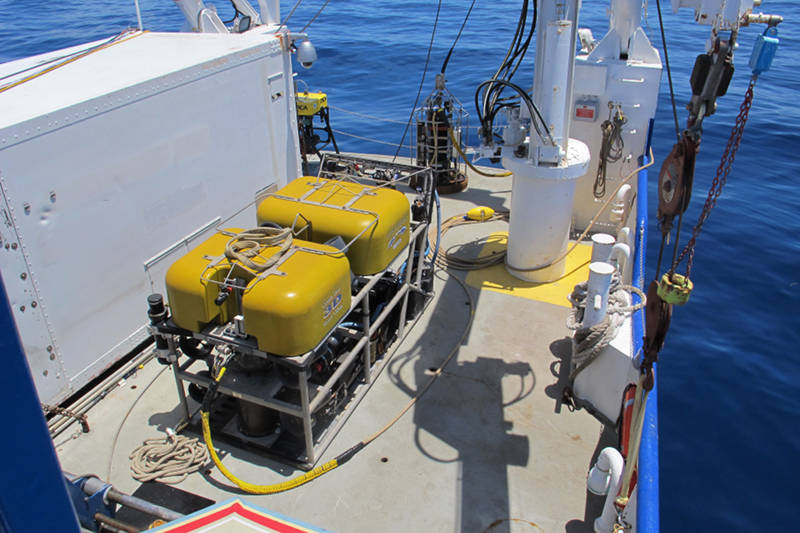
pixel 489 447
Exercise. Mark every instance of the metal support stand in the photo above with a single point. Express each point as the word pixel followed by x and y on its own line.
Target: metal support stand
pixel 318 410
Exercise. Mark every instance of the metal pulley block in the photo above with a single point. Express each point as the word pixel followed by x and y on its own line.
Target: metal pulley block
pixel 675 288
pixel 676 178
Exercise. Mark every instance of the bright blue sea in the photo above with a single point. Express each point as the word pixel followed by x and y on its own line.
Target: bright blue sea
pixel 729 375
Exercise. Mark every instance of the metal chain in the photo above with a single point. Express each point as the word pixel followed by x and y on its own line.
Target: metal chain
pixel 721 177
pixel 80 417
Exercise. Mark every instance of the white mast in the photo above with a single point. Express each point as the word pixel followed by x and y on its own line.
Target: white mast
pixel 544 179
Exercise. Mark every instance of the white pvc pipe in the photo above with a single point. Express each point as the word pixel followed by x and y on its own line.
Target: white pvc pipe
pixel 624 235
pixel 620 254
pixel 611 461
pixel 597 293
pixel 622 205
pixel 602 244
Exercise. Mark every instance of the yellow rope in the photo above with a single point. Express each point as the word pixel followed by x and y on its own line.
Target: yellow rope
pixel 70 60
pixel 470 165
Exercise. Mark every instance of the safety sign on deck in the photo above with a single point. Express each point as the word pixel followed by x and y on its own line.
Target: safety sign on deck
pixel 238 517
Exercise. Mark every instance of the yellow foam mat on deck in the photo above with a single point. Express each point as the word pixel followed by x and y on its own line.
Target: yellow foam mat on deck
pixel 498 279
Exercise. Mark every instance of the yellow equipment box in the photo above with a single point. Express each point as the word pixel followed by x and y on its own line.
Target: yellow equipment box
pixel 289 309
pixel 322 209
pixel 309 104
pixel 191 291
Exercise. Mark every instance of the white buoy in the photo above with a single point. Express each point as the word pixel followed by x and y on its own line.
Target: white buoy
pixel 597 293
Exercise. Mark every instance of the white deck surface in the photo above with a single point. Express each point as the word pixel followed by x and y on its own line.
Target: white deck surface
pixel 489 442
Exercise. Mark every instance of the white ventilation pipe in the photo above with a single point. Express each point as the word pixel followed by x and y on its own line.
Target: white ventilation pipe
pixel 620 254
pixel 597 293
pixel 624 236
pixel 609 466
pixel 622 206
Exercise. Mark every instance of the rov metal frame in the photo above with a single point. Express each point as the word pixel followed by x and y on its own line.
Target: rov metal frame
pixel 262 390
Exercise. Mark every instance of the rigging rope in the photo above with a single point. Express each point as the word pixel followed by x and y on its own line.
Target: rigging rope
pixel 421 82
pixel 669 72
pixel 315 16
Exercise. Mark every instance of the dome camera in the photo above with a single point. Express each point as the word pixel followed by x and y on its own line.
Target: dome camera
pixel 306 53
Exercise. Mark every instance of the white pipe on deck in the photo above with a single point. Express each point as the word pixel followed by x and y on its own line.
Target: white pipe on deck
pixel 610 461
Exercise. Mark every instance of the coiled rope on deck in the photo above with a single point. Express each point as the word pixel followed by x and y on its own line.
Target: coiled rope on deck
pixel 168 460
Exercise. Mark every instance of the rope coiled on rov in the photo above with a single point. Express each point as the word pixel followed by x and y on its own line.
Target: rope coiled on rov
pixel 245 246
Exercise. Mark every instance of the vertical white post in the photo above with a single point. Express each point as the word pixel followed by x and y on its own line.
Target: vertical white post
pixel 597 293
pixel 270 11
pixel 602 244
pixel 544 180
pixel 625 18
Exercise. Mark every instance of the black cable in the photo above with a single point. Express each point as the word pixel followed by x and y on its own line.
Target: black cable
pixel 449 53
pixel 421 82
pixel 313 19
pixel 669 71
pixel 290 13
pixel 533 110
pixel 492 100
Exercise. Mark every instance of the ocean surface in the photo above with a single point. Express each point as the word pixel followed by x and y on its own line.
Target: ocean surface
pixel 729 375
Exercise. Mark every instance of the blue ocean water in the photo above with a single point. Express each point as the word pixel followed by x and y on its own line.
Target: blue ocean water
pixel 729 375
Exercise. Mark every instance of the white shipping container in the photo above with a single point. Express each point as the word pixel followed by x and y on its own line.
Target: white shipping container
pixel 110 165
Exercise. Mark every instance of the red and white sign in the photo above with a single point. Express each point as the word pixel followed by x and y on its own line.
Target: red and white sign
pixel 584 111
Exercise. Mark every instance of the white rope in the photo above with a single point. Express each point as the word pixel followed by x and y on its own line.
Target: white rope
pixel 167 460
pixel 246 246
pixel 590 342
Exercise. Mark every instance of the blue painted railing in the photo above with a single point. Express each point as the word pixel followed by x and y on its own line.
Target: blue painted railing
pixel 33 493
pixel 647 513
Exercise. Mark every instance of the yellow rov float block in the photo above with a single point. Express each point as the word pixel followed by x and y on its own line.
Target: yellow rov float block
pixel 288 309
pixel 375 221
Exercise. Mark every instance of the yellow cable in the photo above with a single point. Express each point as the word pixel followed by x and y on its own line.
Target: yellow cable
pixel 261 489
pixel 470 165
pixel 68 61
pixel 342 457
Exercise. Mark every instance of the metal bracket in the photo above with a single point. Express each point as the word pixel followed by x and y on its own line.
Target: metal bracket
pixel 87 506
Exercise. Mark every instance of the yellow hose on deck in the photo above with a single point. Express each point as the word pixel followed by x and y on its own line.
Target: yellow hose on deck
pixel 261 489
